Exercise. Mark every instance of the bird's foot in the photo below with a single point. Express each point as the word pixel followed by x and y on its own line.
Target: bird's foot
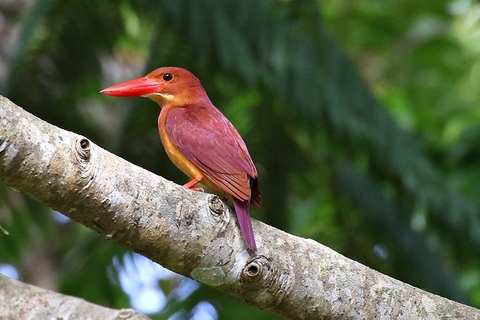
pixel 190 185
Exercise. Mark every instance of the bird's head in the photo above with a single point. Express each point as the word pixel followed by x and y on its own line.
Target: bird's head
pixel 166 85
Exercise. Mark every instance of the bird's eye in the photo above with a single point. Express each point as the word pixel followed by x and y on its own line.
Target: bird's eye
pixel 167 76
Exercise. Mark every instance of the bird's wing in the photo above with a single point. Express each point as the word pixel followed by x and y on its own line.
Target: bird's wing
pixel 209 140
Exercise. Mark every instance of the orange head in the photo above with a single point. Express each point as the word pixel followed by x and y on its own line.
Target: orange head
pixel 166 85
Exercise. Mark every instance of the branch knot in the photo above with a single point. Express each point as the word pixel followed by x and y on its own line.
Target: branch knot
pixel 262 280
pixel 82 154
pixel 82 148
pixel 216 205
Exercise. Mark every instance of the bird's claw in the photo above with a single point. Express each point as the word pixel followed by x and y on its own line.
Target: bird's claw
pixel 191 185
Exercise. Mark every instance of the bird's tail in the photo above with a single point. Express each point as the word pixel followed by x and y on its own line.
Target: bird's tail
pixel 245 222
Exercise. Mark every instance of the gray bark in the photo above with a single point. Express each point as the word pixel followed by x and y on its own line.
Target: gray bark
pixel 23 301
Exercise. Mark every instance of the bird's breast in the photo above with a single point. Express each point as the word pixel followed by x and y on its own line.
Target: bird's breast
pixel 175 155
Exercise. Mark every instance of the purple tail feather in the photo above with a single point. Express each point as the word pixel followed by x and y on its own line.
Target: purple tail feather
pixel 243 216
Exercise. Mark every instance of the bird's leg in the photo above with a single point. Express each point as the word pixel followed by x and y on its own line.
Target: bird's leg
pixel 191 183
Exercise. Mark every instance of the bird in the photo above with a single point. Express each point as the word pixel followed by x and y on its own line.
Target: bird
pixel 199 139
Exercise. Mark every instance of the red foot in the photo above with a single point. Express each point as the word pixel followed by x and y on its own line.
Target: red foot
pixel 191 183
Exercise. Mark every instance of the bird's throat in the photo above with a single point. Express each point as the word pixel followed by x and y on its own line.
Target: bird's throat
pixel 161 98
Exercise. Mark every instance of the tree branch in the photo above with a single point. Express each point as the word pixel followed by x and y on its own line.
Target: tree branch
pixel 195 234
pixel 23 301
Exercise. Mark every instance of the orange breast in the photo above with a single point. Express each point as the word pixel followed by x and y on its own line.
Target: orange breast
pixel 178 159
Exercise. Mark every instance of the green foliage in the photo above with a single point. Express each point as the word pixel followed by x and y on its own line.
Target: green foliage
pixel 383 170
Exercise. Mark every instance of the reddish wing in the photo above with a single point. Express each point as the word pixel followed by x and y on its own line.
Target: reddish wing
pixel 208 139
